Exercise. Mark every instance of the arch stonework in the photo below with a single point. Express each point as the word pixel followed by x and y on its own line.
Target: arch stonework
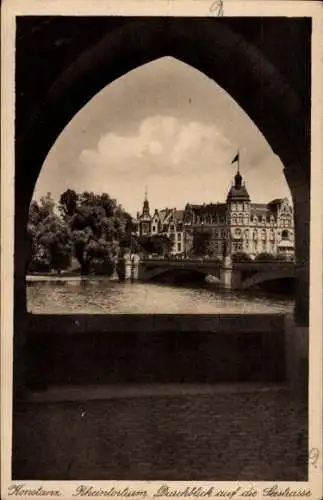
pixel 262 277
pixel 149 274
pixel 213 48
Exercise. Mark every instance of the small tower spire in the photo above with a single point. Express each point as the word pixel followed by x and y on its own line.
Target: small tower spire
pixel 145 210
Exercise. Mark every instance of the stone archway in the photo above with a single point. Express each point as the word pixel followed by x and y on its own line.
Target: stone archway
pixel 213 48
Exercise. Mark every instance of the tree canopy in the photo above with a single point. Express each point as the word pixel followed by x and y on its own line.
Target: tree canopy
pixel 89 227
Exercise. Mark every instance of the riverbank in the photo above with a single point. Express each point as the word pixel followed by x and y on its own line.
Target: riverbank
pixel 33 278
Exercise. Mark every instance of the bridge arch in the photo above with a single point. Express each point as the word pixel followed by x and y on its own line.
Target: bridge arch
pixel 176 271
pixel 262 277
pixel 269 100
pixel 213 47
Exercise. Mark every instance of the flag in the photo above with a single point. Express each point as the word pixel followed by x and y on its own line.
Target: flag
pixel 236 158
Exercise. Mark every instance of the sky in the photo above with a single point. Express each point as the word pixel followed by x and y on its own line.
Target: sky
pixel 167 128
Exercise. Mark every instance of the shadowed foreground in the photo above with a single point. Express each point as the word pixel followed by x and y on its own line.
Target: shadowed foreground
pixel 233 433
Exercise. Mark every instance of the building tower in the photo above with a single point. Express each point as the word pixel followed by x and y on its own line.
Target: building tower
pixel 145 218
pixel 238 216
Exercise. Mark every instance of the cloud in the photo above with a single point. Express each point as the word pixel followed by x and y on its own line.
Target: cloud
pixel 162 146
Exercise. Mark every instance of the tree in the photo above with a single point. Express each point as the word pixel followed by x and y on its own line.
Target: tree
pixel 99 229
pixel 211 249
pixel 201 242
pixel 160 244
pixel 265 257
pixel 92 227
pixel 41 224
pixel 55 238
pixel 241 257
pixel 68 203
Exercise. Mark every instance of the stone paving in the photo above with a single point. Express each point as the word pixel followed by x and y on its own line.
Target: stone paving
pixel 250 434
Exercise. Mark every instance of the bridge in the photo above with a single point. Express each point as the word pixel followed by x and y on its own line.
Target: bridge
pixel 241 275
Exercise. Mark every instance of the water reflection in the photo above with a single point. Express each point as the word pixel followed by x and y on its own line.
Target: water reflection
pixel 101 296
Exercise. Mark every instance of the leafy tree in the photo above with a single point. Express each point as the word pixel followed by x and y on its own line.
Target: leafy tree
pixel 55 238
pixel 68 203
pixel 201 242
pixel 160 244
pixel 50 245
pixel 92 227
pixel 99 228
pixel 265 257
pixel 241 257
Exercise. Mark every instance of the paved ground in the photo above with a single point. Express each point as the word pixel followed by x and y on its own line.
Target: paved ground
pixel 228 434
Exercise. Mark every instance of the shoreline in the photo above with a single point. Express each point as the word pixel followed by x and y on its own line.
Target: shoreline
pixel 32 278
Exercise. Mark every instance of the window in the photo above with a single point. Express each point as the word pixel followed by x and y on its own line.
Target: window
pixel 233 207
pixel 179 236
pixel 246 233
pixel 179 247
pixel 255 220
pixel 239 206
pixel 237 232
pixel 234 220
pixel 263 235
pixel 255 235
pixel 172 227
pixel 154 229
pixel 245 221
pixel 285 235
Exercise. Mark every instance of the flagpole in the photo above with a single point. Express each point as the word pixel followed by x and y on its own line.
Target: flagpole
pixel 238 162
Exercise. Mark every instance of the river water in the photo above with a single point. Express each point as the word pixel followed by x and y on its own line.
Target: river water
pixel 102 296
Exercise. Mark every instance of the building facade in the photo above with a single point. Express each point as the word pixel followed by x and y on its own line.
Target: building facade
pixel 236 226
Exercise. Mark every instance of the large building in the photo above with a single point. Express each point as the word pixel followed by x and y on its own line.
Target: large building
pixel 236 226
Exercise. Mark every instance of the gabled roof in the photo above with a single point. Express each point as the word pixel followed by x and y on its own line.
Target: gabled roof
pixel 210 209
pixel 260 210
